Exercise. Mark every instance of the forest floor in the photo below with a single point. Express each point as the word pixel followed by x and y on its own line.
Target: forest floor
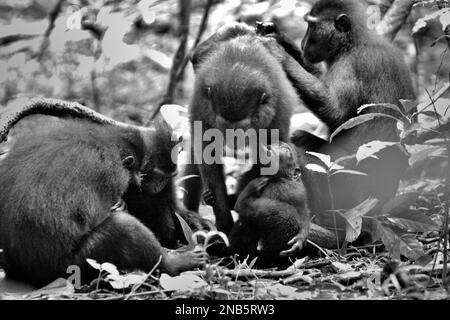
pixel 365 273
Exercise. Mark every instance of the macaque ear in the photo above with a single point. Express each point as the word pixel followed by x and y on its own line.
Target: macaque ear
pixel 128 162
pixel 342 23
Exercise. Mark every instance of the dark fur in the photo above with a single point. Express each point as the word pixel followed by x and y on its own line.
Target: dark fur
pixel 58 187
pixel 271 217
pixel 238 68
pixel 361 68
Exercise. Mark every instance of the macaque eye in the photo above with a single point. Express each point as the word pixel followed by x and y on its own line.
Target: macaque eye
pixel 128 162
pixel 208 92
pixel 264 98
pixel 297 174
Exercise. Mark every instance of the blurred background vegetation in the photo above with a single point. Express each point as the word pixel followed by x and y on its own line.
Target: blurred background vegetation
pixel 115 56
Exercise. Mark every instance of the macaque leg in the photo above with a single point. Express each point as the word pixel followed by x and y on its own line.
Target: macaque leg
pixel 125 242
pixel 213 179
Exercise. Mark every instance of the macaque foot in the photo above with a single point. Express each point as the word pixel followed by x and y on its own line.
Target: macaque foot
pixel 177 262
pixel 296 244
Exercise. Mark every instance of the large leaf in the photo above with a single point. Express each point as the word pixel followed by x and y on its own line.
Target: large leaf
pixel 316 168
pixel 353 122
pixel 409 105
pixel 325 158
pixel 410 247
pixel 353 172
pixel 400 203
pixel 399 243
pixel 353 218
pixel 413 220
pixel 183 282
pixel 369 150
pixel 384 105
pixel 388 238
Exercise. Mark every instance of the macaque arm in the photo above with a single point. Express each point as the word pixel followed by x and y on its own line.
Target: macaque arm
pixel 318 97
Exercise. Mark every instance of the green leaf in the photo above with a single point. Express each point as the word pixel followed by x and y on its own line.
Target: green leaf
pixel 316 168
pixel 354 172
pixel 353 218
pixel 335 166
pixel 410 247
pixel 384 105
pixel 400 203
pixel 369 150
pixel 399 243
pixel 353 122
pixel 94 264
pixel 325 158
pixel 183 282
pixel 110 268
pixel 409 105
pixel 414 221
pixel 387 236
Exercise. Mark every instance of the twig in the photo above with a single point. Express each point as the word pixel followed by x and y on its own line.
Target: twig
pixel 200 32
pixel 318 248
pixel 146 277
pixel 6 40
pixel 51 25
pixel 271 274
pixel 185 6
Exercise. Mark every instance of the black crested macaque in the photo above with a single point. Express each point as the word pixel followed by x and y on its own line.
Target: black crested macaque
pixel 273 214
pixel 361 68
pixel 158 208
pixel 59 190
pixel 240 84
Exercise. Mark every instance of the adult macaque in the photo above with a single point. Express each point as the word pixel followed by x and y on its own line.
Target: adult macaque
pixel 59 189
pixel 239 84
pixel 361 68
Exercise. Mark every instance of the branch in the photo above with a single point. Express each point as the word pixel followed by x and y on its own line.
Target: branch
pixel 395 17
pixel 185 6
pixel 51 25
pixel 200 32
pixel 6 40
pixel 258 274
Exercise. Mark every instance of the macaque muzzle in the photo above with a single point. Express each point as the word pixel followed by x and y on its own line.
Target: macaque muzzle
pixel 157 181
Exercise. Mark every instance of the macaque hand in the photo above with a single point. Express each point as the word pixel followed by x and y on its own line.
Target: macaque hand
pixel 209 197
pixel 296 244
pixel 256 186
pixel 266 28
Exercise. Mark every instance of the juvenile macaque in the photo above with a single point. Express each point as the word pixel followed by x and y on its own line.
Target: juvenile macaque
pixel 273 213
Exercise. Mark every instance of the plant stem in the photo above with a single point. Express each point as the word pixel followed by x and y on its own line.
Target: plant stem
pixel 330 192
